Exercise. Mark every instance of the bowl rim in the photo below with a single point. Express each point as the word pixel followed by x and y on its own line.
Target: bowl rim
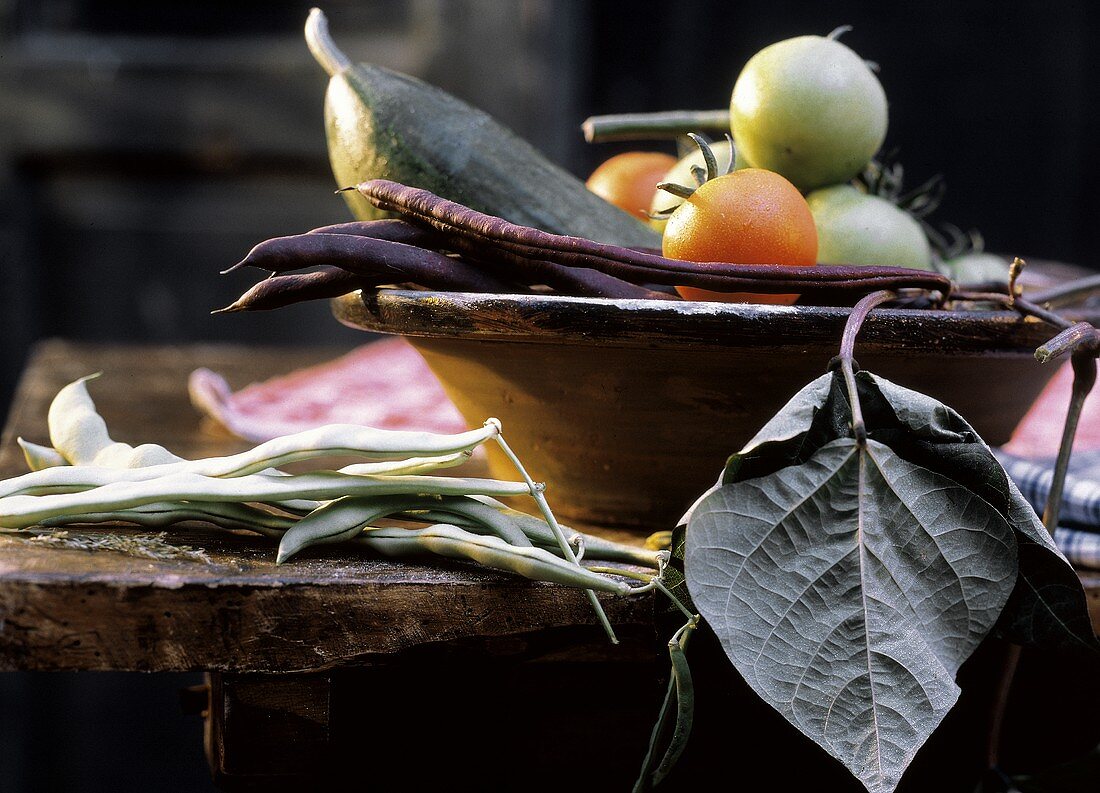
pixel 562 319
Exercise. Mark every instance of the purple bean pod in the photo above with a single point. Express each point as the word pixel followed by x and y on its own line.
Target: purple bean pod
pixel 523 266
pixel 504 264
pixel 283 290
pixel 638 266
pixel 391 230
pixel 372 257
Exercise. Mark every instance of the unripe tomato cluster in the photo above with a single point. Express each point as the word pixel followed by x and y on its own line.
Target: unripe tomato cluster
pixel 807 116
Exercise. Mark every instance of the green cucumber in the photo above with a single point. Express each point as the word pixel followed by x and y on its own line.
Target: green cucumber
pixel 386 125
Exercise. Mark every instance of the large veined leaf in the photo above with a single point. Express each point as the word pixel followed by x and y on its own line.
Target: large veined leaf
pixel 847 589
pixel 1048 605
pixel 772 598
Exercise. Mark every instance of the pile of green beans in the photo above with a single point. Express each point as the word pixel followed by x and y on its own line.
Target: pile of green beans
pixel 86 477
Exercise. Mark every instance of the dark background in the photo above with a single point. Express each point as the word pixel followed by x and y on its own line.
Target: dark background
pixel 145 146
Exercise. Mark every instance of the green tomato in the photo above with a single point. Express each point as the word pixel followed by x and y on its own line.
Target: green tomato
pixel 810 109
pixel 680 173
pixel 856 228
pixel 976 268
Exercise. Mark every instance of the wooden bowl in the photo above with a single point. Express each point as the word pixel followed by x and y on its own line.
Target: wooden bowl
pixel 628 409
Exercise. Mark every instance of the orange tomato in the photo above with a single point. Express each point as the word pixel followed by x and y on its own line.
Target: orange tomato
pixel 629 180
pixel 750 216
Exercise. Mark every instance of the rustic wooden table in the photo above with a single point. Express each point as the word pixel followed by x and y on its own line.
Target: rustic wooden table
pixel 416 674
pixel 291 649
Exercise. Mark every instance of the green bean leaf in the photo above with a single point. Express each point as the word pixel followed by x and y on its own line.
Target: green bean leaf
pixel 807 529
pixel 847 591
pixel 1048 606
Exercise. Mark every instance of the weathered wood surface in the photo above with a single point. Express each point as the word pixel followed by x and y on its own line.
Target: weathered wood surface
pixel 77 610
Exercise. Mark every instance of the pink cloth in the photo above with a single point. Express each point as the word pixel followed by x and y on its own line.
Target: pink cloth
pixel 1040 431
pixel 383 384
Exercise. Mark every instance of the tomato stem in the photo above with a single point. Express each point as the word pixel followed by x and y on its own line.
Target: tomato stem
pixel 708 155
pixel 677 189
pixel 700 174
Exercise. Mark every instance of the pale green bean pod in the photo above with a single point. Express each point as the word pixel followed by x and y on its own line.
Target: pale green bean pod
pixel 74 478
pixel 345 518
pixel 596 548
pixel 148 485
pixel 225 515
pixel 455 543
pixel 346 439
pixel 340 520
pixel 79 433
pixel 24 511
pixel 497 522
pixel 39 457
pixel 685 710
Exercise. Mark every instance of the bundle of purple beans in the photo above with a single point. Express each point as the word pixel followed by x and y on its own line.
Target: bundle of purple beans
pixel 442 245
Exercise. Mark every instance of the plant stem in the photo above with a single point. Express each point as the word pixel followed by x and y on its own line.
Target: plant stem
pixel 675 600
pixel 1069 292
pixel 847 355
pixel 654 126
pixel 1024 307
pixel 1066 341
pixel 559 535
pixel 1029 308
pixel 1084 378
pixel 1082 340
